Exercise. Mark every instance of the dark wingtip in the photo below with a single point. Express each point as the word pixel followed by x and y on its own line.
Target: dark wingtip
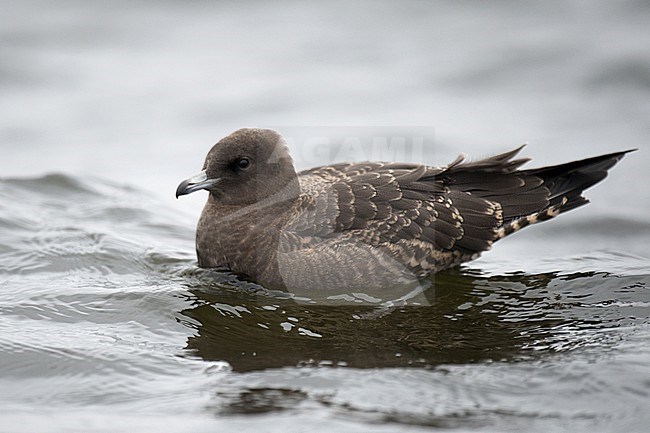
pixel 618 155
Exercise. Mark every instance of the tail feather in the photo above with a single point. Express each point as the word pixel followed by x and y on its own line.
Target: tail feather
pixel 571 179
pixel 526 197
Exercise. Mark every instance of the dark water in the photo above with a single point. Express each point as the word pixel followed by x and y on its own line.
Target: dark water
pixel 106 323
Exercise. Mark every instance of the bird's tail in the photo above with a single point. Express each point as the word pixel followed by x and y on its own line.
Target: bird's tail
pixel 566 183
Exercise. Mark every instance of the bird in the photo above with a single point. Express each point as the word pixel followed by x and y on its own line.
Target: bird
pixel 367 226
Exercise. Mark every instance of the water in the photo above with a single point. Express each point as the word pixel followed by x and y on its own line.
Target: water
pixel 106 323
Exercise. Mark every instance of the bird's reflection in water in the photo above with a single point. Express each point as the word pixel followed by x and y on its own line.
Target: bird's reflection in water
pixel 467 318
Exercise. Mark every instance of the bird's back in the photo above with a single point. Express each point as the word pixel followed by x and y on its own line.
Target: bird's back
pixel 360 225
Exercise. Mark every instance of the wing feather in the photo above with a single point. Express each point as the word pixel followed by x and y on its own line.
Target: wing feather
pixel 431 217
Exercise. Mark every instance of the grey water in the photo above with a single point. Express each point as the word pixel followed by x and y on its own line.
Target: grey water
pixel 108 325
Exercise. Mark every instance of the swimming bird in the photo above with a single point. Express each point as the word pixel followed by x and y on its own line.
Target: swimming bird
pixel 369 225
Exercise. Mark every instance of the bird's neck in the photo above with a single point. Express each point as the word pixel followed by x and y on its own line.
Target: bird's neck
pixel 227 234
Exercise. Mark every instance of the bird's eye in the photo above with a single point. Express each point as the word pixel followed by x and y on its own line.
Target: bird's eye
pixel 243 163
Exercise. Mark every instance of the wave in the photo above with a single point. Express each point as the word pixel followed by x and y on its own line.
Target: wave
pixel 61 223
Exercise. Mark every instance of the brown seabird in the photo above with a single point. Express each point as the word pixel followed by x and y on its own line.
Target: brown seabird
pixel 370 225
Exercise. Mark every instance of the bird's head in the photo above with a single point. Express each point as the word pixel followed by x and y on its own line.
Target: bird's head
pixel 246 167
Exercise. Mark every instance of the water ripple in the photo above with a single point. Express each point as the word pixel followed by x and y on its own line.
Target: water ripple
pixel 105 293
